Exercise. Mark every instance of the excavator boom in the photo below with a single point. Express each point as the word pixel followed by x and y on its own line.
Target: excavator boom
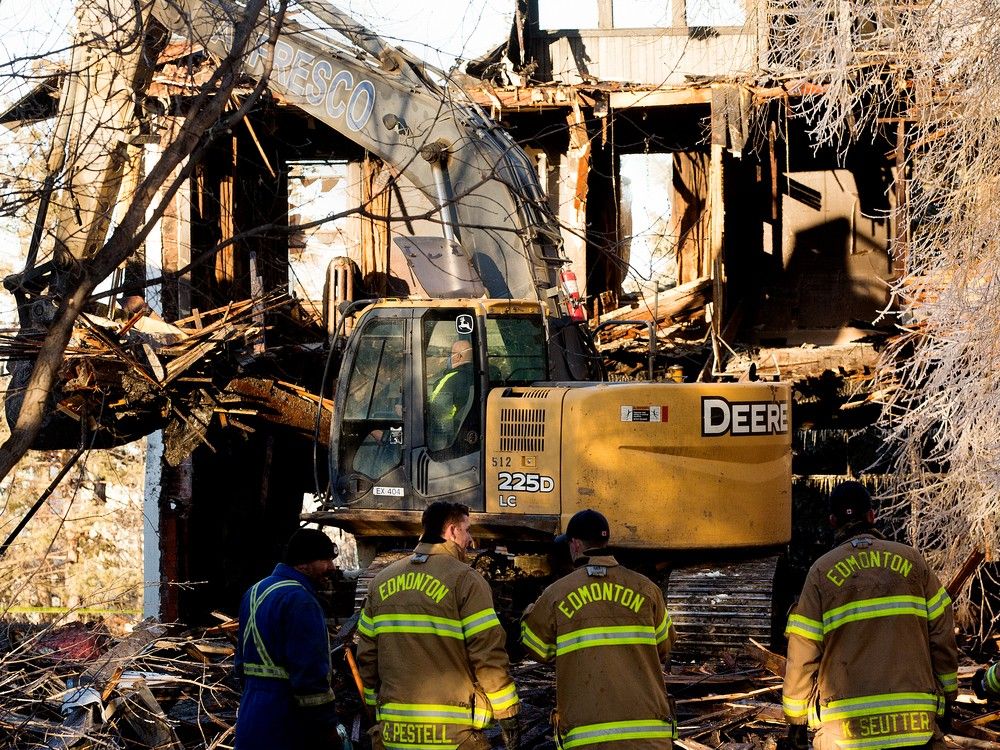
pixel 427 130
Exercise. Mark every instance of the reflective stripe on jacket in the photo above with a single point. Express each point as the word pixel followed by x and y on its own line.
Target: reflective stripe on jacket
pixel 431 651
pixel 608 630
pixel 283 658
pixel 871 647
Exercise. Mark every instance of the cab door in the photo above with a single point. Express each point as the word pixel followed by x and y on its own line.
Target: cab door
pixel 446 463
pixel 368 444
pixel 408 414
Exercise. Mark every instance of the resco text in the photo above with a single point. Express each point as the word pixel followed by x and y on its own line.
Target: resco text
pixel 316 80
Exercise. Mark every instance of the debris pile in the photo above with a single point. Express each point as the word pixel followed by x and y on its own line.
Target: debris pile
pixel 171 688
pixel 121 379
pixel 76 686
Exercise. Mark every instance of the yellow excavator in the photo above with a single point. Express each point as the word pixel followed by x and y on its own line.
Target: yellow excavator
pixel 686 473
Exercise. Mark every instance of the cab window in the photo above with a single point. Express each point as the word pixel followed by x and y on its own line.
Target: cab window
pixel 375 390
pixel 515 348
pixel 372 436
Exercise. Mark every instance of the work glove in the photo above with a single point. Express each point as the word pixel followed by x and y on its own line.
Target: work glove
pixel 510 729
pixel 343 738
pixel 979 684
pixel 798 736
pixel 944 720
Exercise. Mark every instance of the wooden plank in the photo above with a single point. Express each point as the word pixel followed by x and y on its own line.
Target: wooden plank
pixel 729 696
pixel 103 670
pixel 660 97
pixel 964 573
pixel 772 662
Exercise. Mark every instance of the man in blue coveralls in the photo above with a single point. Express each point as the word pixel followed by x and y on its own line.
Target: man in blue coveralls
pixel 283 654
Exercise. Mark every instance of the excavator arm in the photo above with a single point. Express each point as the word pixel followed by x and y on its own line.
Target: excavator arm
pixel 484 186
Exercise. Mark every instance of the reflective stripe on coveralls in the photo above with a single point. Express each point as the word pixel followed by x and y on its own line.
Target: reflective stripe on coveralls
pixel 993 679
pixel 268 668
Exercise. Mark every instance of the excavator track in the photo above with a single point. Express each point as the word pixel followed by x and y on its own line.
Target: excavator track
pixel 719 607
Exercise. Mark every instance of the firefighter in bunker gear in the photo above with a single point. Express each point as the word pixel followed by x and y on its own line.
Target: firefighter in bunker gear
pixel 430 646
pixel 872 659
pixel 608 630
pixel 283 654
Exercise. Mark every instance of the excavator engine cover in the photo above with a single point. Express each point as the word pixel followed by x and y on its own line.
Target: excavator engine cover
pixel 672 466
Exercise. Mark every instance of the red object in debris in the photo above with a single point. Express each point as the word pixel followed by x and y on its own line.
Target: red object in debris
pixel 76 641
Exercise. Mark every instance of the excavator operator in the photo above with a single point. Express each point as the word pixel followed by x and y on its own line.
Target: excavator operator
pixel 452 397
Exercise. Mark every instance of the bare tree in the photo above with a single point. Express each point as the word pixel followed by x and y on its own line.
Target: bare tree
pixel 150 197
pixel 931 68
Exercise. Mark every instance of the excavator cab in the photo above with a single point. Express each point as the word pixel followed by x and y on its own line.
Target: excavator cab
pixel 410 401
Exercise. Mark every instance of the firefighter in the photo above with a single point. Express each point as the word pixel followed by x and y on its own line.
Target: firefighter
pixel 430 646
pixel 608 630
pixel 283 653
pixel 872 659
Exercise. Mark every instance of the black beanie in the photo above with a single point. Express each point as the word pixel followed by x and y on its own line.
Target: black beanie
pixel 308 545
pixel 850 503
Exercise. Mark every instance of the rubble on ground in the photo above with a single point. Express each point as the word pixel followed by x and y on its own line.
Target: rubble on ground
pixel 171 687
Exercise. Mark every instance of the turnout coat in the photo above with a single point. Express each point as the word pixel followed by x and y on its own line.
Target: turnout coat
pixel 431 651
pixel 872 657
pixel 608 630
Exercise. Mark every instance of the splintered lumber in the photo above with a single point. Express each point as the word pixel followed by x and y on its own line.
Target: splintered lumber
pixel 984 719
pixel 772 662
pixel 146 717
pixel 706 723
pixel 687 743
pixel 104 669
pixel 772 712
pixel 666 304
pixel 968 743
pixel 730 696
pixel 965 572
pixel 974 731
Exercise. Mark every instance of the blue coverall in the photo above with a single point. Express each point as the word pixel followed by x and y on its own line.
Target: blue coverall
pixel 283 661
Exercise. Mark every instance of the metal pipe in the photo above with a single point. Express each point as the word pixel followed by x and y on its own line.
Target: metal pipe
pixel 449 216
pixel 40 217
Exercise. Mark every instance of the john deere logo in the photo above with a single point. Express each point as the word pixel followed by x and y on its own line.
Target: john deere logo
pixel 722 417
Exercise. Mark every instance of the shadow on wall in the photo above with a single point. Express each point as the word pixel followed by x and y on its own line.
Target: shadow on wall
pixel 834 279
